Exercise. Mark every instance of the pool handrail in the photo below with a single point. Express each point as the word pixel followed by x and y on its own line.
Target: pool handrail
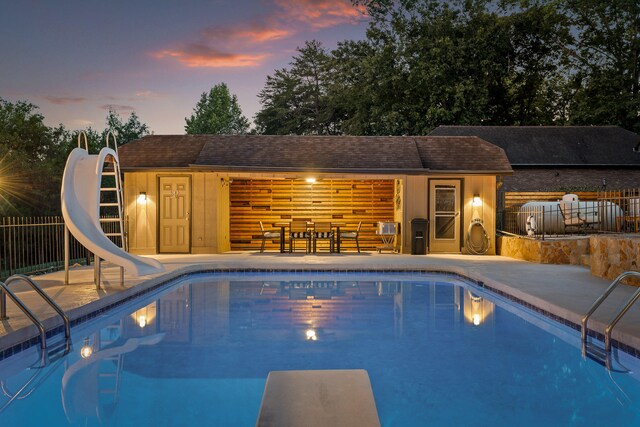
pixel 601 299
pixel 6 291
pixel 609 329
pixel 3 306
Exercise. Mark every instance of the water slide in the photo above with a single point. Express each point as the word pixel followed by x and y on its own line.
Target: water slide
pixel 81 211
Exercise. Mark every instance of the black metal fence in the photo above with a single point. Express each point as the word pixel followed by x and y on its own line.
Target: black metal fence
pixel 35 245
pixel 612 212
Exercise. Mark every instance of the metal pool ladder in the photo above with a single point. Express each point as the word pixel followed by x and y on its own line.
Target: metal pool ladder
pixel 5 290
pixel 609 329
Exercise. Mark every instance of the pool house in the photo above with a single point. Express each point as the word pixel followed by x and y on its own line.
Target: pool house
pixel 207 194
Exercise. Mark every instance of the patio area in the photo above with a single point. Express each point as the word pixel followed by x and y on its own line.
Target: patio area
pixel 565 291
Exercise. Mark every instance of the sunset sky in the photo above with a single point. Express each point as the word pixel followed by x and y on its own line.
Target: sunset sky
pixel 76 58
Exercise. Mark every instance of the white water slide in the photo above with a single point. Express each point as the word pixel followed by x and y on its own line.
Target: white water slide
pixel 81 184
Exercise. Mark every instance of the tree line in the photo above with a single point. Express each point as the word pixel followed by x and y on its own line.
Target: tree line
pixel 426 63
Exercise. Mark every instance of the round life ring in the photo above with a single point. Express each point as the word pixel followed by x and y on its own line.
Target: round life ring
pixel 532 226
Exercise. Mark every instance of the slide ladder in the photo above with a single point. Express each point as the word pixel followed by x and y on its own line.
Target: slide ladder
pixel 111 212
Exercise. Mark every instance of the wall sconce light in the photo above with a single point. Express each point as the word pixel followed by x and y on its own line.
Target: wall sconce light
pixel 311 335
pixel 142 198
pixel 224 182
pixel 477 201
pixel 311 180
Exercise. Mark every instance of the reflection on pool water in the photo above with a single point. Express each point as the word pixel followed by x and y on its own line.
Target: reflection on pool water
pixel 438 352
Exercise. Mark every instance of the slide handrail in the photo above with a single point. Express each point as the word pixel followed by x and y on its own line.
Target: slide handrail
pixel 86 143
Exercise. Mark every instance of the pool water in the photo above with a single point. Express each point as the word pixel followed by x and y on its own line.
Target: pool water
pixel 439 351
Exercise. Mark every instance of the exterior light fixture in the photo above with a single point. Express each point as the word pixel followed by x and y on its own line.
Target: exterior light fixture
pixel 142 198
pixel 142 321
pixel 311 334
pixel 311 180
pixel 477 201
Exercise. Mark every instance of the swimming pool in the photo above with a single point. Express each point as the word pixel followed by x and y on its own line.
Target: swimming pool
pixel 438 350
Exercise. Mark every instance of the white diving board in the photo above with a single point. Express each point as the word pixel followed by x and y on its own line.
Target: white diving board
pixel 336 398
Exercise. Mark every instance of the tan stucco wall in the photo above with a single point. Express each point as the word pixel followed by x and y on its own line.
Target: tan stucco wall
pixel 209 211
pixel 416 205
pixel 210 208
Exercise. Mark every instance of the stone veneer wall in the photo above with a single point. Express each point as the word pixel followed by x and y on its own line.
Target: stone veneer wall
pixel 552 251
pixel 611 255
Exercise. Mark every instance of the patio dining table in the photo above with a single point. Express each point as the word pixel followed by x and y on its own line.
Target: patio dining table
pixel 283 229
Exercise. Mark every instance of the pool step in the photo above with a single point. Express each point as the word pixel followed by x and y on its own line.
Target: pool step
pixel 599 355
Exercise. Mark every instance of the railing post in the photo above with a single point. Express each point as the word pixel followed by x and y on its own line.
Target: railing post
pixel 96 271
pixel 66 255
pixel 3 305
pixel 543 227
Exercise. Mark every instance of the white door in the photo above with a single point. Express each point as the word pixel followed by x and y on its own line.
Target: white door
pixel 175 203
pixel 444 216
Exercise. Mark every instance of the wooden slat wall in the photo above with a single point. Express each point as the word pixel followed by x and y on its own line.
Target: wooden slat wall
pixel 519 198
pixel 271 201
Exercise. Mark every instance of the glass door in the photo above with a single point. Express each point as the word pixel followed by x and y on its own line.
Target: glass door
pixel 444 213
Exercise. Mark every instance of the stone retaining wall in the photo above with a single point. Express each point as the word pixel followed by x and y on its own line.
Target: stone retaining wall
pixel 608 255
pixel 552 251
pixel 614 254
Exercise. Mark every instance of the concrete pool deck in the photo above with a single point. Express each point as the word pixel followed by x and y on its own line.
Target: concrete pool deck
pixel 565 291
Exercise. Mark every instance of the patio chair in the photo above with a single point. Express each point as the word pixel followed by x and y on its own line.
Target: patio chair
pixel 267 234
pixel 575 218
pixel 298 231
pixel 323 231
pixel 351 234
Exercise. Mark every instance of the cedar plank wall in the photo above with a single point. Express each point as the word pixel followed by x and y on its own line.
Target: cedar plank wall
pixel 276 200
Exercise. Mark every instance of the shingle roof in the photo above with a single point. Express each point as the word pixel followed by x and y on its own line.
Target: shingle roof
pixel 557 145
pixel 321 153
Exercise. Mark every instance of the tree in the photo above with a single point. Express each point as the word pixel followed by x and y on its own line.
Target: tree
pixel 217 113
pixel 606 83
pixel 295 100
pixel 127 131
pixel 465 62
pixel 28 148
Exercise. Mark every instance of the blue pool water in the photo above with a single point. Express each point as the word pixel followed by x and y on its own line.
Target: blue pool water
pixel 438 351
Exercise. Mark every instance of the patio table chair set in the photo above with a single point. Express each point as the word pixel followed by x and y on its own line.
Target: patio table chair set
pixel 310 233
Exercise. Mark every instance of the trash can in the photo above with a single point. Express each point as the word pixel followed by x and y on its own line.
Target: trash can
pixel 419 233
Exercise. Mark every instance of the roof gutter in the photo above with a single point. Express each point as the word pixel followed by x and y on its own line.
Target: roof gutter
pixel 381 171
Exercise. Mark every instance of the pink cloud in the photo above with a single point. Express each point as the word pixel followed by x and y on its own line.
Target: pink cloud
pixel 245 34
pixel 63 100
pixel 290 18
pixel 321 13
pixel 196 55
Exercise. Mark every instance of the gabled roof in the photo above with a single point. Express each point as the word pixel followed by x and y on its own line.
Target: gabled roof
pixel 358 154
pixel 556 145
